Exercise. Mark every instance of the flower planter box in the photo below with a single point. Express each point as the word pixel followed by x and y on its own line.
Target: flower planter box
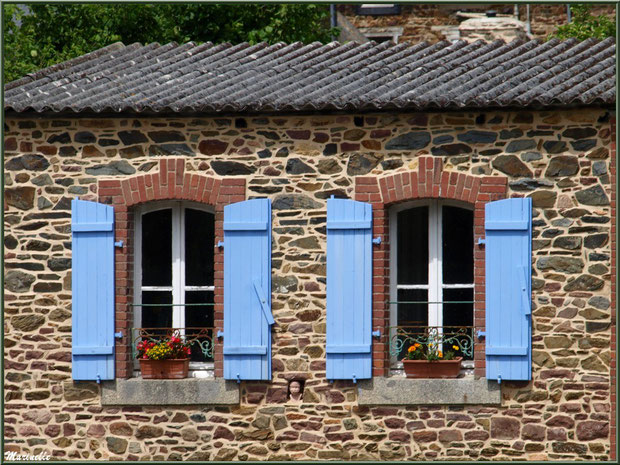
pixel 164 369
pixel 434 369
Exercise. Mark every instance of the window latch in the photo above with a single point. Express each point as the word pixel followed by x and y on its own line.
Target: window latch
pixel 481 241
pixel 480 334
pixel 220 333
pixel 376 333
pixel 377 241
pixel 220 244
pixel 119 244
pixel 118 335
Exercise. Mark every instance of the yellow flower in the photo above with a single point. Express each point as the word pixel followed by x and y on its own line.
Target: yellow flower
pixel 455 347
pixel 440 354
pixel 411 349
pixel 416 345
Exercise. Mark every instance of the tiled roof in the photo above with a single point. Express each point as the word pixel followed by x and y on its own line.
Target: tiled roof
pixel 224 78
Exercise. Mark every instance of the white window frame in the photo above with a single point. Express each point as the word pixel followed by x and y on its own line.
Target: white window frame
pixel 371 33
pixel 435 284
pixel 178 287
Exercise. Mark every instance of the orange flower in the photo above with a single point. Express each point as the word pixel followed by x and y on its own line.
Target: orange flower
pixel 440 354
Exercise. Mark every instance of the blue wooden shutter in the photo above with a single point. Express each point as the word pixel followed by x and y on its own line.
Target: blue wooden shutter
pixel 247 290
pixel 349 289
pixel 508 225
pixel 92 227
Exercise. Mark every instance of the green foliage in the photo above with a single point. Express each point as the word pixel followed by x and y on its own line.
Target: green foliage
pixel 585 26
pixel 52 33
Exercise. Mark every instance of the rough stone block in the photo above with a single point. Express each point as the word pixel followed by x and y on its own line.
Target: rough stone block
pixel 402 391
pixel 190 391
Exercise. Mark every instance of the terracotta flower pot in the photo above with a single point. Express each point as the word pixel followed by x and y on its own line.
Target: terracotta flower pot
pixel 164 369
pixel 432 369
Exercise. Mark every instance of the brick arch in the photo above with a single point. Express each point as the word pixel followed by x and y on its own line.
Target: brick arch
pixel 429 181
pixel 171 182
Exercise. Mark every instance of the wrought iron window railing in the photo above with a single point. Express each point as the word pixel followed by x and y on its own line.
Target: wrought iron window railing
pixel 402 337
pixel 202 340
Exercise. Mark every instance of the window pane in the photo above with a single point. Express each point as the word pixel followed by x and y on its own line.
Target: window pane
pixel 458 245
pixel 412 236
pixel 199 317
pixel 412 314
pixel 199 243
pixel 461 314
pixel 157 248
pixel 160 316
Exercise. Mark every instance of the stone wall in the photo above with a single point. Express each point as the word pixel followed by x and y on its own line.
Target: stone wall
pixel 417 21
pixel 562 159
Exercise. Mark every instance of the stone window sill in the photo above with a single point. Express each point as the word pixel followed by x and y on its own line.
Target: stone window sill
pixel 403 391
pixel 189 391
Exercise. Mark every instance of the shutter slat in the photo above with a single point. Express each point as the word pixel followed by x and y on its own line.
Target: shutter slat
pixel 508 225
pixel 349 290
pixel 247 290
pixel 349 224
pixel 92 225
pixel 348 349
pixel 507 351
pixel 245 226
pixel 92 350
pixel 247 350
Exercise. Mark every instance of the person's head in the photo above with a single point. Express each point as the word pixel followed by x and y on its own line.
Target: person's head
pixel 295 387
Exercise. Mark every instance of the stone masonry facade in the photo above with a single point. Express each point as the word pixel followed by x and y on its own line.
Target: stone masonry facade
pixel 564 160
pixel 419 21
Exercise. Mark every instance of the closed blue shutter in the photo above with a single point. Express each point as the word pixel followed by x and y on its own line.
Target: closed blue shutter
pixel 349 290
pixel 247 290
pixel 508 225
pixel 92 227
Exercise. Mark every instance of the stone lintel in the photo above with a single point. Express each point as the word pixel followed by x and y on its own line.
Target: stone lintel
pixel 189 391
pixel 402 391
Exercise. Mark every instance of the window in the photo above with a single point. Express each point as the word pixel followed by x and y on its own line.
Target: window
pixel 174 275
pixel 377 9
pixel 432 270
pixel 382 34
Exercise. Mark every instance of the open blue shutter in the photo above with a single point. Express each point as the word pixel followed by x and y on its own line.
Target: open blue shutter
pixel 247 290
pixel 349 290
pixel 508 226
pixel 92 227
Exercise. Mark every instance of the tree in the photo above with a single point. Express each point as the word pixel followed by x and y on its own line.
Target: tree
pixel 584 25
pixel 46 34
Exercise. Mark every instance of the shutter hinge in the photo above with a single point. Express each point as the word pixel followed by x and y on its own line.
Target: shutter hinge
pixel 376 333
pixel 238 379
pixel 480 334
pixel 220 244
pixel 354 379
pixel 377 241
pixel 118 335
pixel 481 241
pixel 220 333
pixel 499 379
pixel 98 379
pixel 119 244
